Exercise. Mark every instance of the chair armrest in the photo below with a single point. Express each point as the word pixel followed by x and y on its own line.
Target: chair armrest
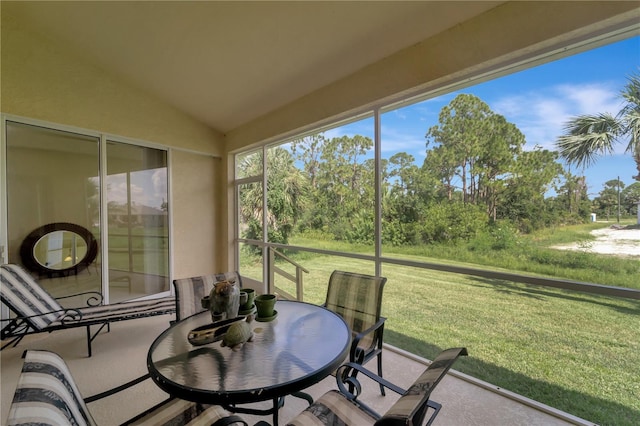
pixel 351 389
pixel 355 354
pixel 413 404
pixel 345 377
pixel 116 389
pixel 96 298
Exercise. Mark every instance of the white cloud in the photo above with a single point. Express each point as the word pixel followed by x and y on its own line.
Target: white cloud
pixel 591 98
pixel 159 179
pixel 542 114
pixel 147 187
pixel 396 140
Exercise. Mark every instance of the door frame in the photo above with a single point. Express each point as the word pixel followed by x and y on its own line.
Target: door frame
pixel 103 137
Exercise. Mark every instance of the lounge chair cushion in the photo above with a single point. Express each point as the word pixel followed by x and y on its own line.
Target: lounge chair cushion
pixel 332 409
pixel 119 311
pixel 37 311
pixel 30 299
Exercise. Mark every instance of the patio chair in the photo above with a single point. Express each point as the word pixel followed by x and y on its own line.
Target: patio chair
pixel 343 407
pixel 36 311
pixel 46 394
pixel 357 298
pixel 189 291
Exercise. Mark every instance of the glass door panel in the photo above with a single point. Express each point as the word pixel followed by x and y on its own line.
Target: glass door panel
pixel 138 225
pixel 53 205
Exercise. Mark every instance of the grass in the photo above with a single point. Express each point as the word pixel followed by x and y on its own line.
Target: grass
pixel 577 352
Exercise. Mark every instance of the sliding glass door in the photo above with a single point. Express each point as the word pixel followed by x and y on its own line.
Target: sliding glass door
pixel 53 206
pixel 138 227
pixel 56 193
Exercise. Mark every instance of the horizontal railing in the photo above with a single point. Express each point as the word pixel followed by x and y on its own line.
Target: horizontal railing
pixel 627 293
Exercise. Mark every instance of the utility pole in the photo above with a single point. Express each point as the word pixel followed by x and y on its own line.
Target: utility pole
pixel 618 199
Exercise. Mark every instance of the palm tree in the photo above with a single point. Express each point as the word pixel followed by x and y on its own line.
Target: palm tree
pixel 285 197
pixel 588 136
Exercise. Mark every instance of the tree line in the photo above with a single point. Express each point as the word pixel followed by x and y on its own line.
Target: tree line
pixel 475 178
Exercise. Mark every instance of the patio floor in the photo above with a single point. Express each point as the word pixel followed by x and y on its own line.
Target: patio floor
pixel 120 355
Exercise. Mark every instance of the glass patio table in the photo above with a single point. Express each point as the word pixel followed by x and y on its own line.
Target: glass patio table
pixel 304 344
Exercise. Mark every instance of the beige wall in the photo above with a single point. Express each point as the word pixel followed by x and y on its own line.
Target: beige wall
pixel 40 81
pixel 195 246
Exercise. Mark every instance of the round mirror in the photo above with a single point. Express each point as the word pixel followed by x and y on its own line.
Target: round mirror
pixel 58 248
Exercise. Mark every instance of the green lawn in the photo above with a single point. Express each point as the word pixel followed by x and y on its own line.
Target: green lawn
pixel 577 352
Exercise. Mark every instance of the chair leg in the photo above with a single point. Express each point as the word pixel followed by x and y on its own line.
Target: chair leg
pixel 89 341
pixel 277 403
pixel 303 395
pixel 382 392
pixel 14 341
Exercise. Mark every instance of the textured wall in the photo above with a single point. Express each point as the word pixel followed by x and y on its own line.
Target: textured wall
pixel 41 81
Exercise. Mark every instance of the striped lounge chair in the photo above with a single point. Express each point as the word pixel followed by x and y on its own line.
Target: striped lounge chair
pixel 189 291
pixel 357 298
pixel 36 311
pixel 46 394
pixel 342 407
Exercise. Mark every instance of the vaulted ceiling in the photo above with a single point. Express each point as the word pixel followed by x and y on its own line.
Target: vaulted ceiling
pixel 228 63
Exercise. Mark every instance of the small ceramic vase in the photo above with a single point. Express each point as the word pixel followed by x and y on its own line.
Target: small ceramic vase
pixel 224 299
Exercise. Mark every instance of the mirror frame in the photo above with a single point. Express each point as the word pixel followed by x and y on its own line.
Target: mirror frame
pixel 28 245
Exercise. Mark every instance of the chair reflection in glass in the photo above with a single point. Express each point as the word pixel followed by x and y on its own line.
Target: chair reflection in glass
pixel 357 298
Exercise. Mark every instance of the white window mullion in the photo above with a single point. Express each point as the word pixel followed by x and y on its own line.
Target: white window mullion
pixel 104 232
pixel 378 192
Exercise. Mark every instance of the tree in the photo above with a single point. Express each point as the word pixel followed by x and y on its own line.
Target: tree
pixel 345 193
pixel 588 136
pixel 475 146
pixel 573 198
pixel 341 185
pixel 285 197
pixel 523 200
pixel 308 150
pixel 609 196
pixel 630 197
pixel 459 134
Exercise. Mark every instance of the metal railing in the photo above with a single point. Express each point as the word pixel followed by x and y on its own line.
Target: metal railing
pixel 273 270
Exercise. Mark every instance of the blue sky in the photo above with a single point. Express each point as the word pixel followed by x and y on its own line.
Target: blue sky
pixel 539 101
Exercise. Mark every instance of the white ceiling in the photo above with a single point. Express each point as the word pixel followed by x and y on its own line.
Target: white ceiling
pixel 227 63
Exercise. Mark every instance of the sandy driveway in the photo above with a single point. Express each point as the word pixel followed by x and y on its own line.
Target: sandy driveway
pixel 621 242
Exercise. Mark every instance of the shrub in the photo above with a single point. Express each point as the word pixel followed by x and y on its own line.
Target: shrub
pixel 452 222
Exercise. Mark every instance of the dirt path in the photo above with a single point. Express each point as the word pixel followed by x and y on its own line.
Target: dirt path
pixel 619 242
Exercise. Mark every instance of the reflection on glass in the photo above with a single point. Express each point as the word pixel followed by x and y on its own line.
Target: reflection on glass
pixel 137 207
pixel 52 178
pixel 60 250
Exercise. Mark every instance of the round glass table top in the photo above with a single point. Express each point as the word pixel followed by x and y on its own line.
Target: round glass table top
pixel 300 347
